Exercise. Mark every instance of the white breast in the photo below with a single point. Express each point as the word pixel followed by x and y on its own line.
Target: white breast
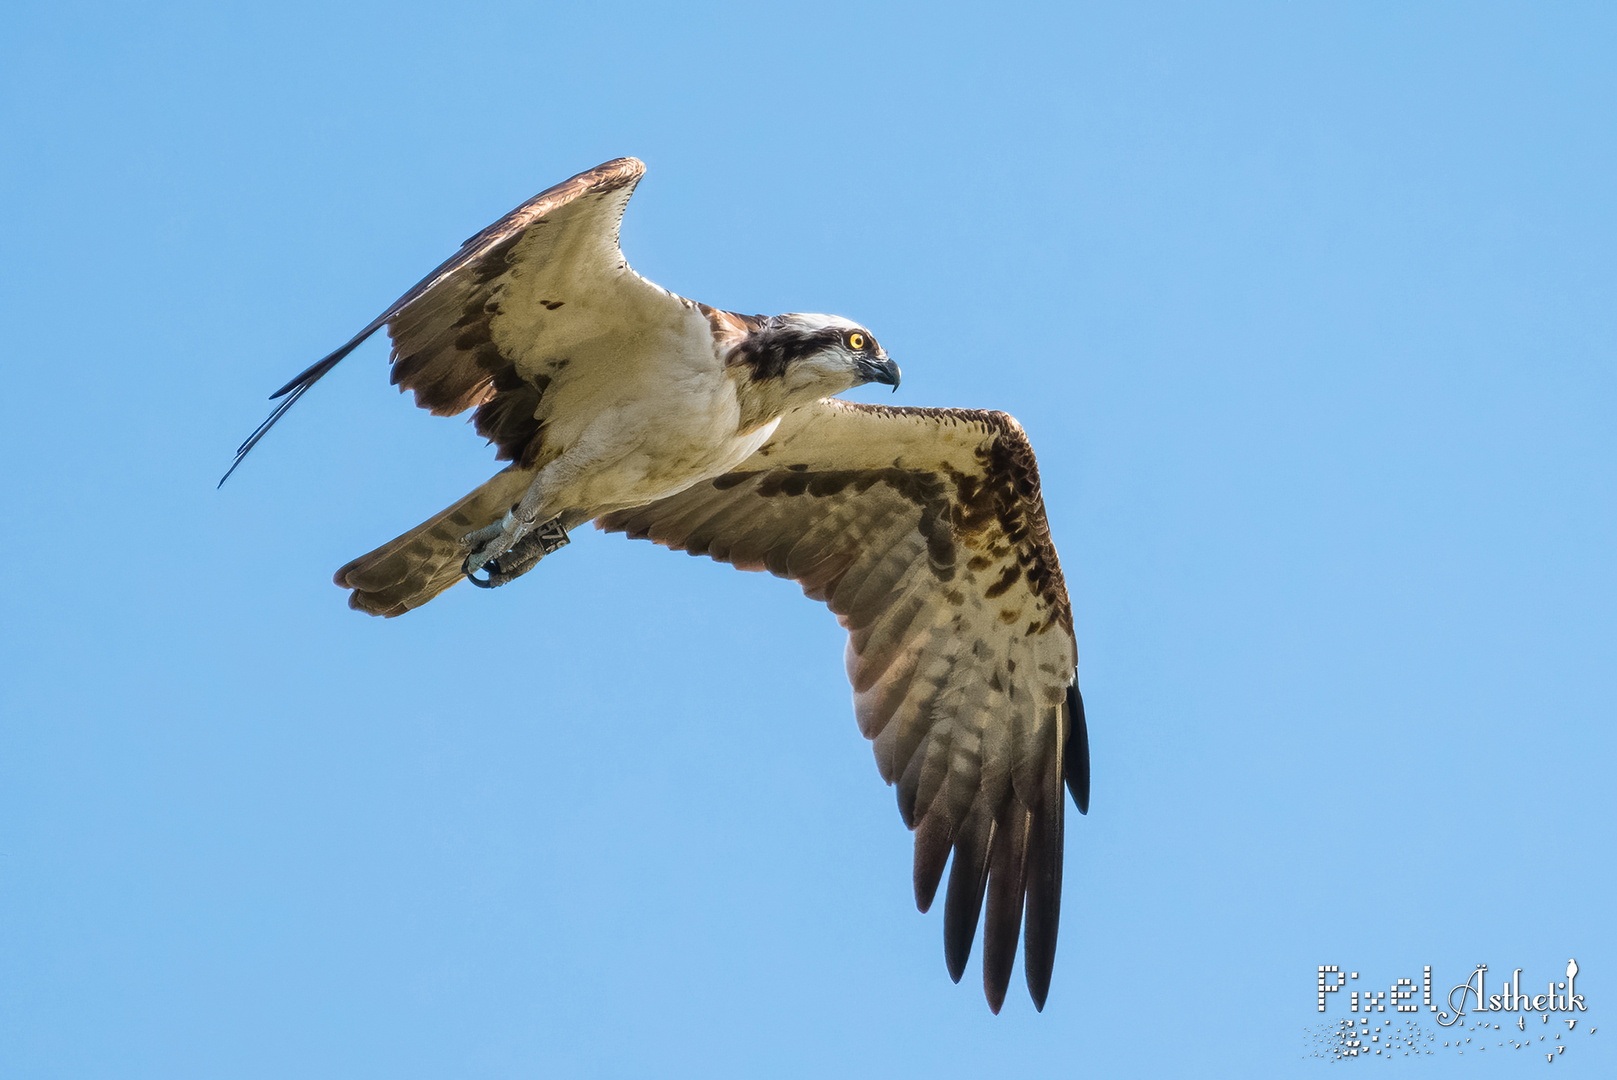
pixel 639 417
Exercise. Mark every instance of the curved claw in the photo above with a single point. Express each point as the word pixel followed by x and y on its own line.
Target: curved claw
pixel 470 571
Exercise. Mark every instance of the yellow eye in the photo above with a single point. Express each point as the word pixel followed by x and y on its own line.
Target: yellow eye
pixel 856 341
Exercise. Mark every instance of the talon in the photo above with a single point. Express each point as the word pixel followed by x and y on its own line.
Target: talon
pixel 514 556
pixel 470 571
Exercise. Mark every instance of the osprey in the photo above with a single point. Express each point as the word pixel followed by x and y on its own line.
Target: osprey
pixel 718 434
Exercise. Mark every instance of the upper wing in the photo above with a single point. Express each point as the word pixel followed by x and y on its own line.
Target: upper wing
pixel 499 321
pixel 924 531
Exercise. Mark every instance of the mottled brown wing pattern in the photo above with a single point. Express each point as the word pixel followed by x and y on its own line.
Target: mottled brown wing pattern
pixel 924 531
pixel 443 340
pixel 443 345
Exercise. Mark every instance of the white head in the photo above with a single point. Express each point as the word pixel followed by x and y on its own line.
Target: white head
pixel 803 358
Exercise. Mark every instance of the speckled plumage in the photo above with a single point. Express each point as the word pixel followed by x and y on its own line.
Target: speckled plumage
pixel 716 433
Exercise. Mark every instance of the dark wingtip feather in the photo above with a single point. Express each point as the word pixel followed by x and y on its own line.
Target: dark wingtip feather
pixel 1007 884
pixel 294 390
pixel 932 839
pixel 1043 896
pixel 311 374
pixel 1077 749
pixel 968 879
pixel 258 433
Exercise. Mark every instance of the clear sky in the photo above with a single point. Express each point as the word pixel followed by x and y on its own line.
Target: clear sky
pixel 1308 309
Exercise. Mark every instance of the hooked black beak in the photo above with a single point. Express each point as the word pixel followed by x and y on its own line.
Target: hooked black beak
pixel 882 371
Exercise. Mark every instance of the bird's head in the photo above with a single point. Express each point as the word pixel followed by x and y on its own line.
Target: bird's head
pixel 803 358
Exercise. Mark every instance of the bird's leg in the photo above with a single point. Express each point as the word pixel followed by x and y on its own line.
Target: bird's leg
pixel 496 545
pixel 489 543
pixel 525 554
pixel 508 559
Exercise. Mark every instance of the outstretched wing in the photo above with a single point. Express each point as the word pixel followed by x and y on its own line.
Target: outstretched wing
pixel 520 306
pixel 924 531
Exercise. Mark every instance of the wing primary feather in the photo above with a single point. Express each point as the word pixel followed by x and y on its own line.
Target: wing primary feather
pixel 259 433
pixel 1077 749
pixel 968 877
pixel 1007 883
pixel 294 390
pixel 1043 914
pixel 933 837
pixel 313 373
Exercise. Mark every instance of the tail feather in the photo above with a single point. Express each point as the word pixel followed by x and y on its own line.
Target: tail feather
pixel 407 572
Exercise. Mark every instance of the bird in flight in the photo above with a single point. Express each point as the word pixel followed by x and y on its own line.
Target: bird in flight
pixel 719 434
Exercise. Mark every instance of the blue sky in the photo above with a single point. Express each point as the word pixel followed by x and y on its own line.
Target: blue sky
pixel 1308 310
